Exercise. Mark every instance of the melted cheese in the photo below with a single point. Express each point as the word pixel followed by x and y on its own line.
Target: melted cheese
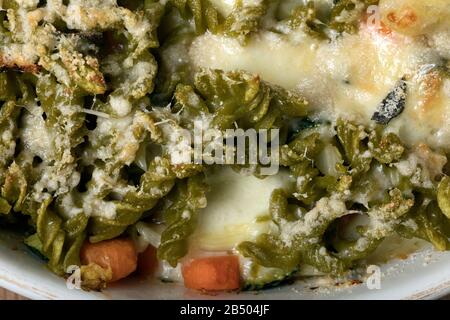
pixel 35 135
pixel 236 205
pixel 415 17
pixel 347 77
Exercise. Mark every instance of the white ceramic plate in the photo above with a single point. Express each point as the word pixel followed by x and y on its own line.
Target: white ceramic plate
pixel 424 275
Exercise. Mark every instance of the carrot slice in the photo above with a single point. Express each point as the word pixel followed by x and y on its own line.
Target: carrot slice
pixel 212 273
pixel 118 254
pixel 147 261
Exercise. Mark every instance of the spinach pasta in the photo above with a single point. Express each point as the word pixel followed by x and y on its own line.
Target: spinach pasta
pixel 126 132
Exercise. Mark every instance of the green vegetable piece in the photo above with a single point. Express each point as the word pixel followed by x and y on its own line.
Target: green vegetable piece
pixel 204 14
pixel 48 225
pixel 305 17
pixel 351 138
pixel 430 224
pixel 35 245
pixel 243 98
pixel 181 218
pixel 72 256
pixel 243 21
pixel 443 196
pixel 83 70
pixel 303 148
pixel 385 148
pixel 267 251
pixel 304 246
pixel 94 277
pixel 7 90
pixel 262 278
pixel 16 186
pixel 5 207
pixel 189 104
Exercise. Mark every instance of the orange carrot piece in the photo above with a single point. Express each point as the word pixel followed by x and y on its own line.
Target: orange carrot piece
pixel 118 254
pixel 147 261
pixel 212 273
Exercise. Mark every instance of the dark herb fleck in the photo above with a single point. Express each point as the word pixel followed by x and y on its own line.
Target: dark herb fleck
pixel 393 105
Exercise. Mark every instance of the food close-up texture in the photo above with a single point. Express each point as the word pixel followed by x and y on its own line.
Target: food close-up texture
pixel 95 96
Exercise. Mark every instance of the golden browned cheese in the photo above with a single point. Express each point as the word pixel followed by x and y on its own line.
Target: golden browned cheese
pixel 415 17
